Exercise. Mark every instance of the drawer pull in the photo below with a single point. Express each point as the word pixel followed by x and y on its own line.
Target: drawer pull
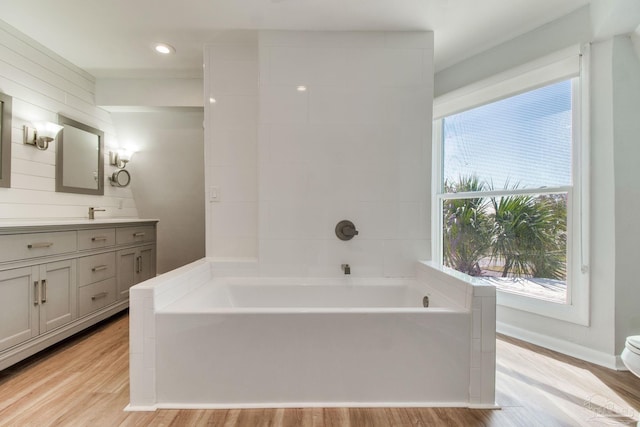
pixel 99 238
pixel 100 295
pixel 40 245
pixel 139 234
pixel 99 268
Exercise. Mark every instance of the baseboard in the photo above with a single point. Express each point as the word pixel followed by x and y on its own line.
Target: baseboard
pixel 562 346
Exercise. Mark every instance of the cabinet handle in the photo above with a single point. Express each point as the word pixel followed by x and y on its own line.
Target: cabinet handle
pixel 44 291
pixel 138 262
pixel 98 238
pixel 100 295
pixel 39 245
pixel 99 268
pixel 36 292
pixel 139 234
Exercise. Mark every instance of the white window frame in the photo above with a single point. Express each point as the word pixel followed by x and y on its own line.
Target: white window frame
pixel 559 66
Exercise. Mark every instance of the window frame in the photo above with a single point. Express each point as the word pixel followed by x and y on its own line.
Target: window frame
pixel 542 72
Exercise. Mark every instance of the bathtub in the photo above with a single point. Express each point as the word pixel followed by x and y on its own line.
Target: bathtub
pixel 202 340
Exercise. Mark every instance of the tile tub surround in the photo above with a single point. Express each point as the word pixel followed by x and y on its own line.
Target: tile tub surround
pixel 289 165
pixel 469 311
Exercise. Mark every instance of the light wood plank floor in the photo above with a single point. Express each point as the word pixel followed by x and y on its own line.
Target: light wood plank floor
pixel 84 382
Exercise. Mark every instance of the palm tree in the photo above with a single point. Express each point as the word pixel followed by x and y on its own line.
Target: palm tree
pixel 529 235
pixel 466 228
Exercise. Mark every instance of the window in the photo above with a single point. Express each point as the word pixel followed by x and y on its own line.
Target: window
pixel 509 177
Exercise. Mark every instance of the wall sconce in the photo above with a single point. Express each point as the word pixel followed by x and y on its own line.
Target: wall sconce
pixel 41 134
pixel 119 159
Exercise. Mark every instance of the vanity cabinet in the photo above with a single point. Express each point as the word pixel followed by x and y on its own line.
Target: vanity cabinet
pixel 134 266
pixel 35 300
pixel 57 279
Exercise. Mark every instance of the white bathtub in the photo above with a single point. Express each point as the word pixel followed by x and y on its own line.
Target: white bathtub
pixel 202 341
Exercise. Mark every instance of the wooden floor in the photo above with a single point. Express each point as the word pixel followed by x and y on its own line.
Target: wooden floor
pixel 84 382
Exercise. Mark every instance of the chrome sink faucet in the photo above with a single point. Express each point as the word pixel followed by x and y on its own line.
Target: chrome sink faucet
pixel 92 212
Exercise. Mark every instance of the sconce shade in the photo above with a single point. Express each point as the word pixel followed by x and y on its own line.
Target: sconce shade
pixel 120 158
pixel 47 129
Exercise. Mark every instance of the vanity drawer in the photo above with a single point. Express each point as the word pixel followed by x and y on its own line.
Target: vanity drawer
pixel 126 235
pixel 32 245
pixel 96 267
pixel 96 239
pixel 95 296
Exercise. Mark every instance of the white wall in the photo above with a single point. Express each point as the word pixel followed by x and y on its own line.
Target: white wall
pixel 44 85
pixel 626 108
pixel 231 148
pixel 166 178
pixel 355 145
pixel 614 232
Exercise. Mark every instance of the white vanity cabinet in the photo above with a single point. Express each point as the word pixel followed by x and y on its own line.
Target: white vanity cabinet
pixel 57 279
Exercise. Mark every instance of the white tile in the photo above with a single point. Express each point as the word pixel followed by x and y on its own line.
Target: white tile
pixel 334 183
pixel 476 323
pixel 375 182
pixel 283 181
pixel 234 247
pixel 291 66
pixel 410 183
pixel 476 353
pixel 475 383
pixel 488 324
pixel 287 142
pixel 400 256
pixel 232 111
pixel 233 146
pixel 410 221
pixel 376 220
pixel 237 183
pixel 283 104
pixel 409 105
pixel 292 220
pixel 232 52
pixel 283 255
pixel 234 77
pixel 488 385
pixel 333 104
pixel 234 219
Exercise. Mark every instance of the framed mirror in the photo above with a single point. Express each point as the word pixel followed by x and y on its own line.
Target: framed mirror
pixel 5 140
pixel 79 160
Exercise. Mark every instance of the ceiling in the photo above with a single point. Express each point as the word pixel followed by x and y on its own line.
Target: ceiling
pixel 113 38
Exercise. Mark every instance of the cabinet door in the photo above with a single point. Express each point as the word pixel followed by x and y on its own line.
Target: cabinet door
pixel 57 294
pixel 147 261
pixel 127 262
pixel 18 306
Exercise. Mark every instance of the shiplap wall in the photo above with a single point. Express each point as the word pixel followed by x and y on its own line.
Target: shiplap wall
pixel 43 85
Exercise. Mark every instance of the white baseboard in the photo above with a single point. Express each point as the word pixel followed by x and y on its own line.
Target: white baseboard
pixel 562 346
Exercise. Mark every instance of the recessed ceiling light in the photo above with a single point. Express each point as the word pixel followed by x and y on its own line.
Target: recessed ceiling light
pixel 301 88
pixel 212 100
pixel 164 48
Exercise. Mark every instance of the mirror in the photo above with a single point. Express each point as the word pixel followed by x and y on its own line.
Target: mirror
pixel 5 140
pixel 120 178
pixel 79 161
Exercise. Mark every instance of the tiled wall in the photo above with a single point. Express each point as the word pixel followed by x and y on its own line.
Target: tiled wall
pixel 355 145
